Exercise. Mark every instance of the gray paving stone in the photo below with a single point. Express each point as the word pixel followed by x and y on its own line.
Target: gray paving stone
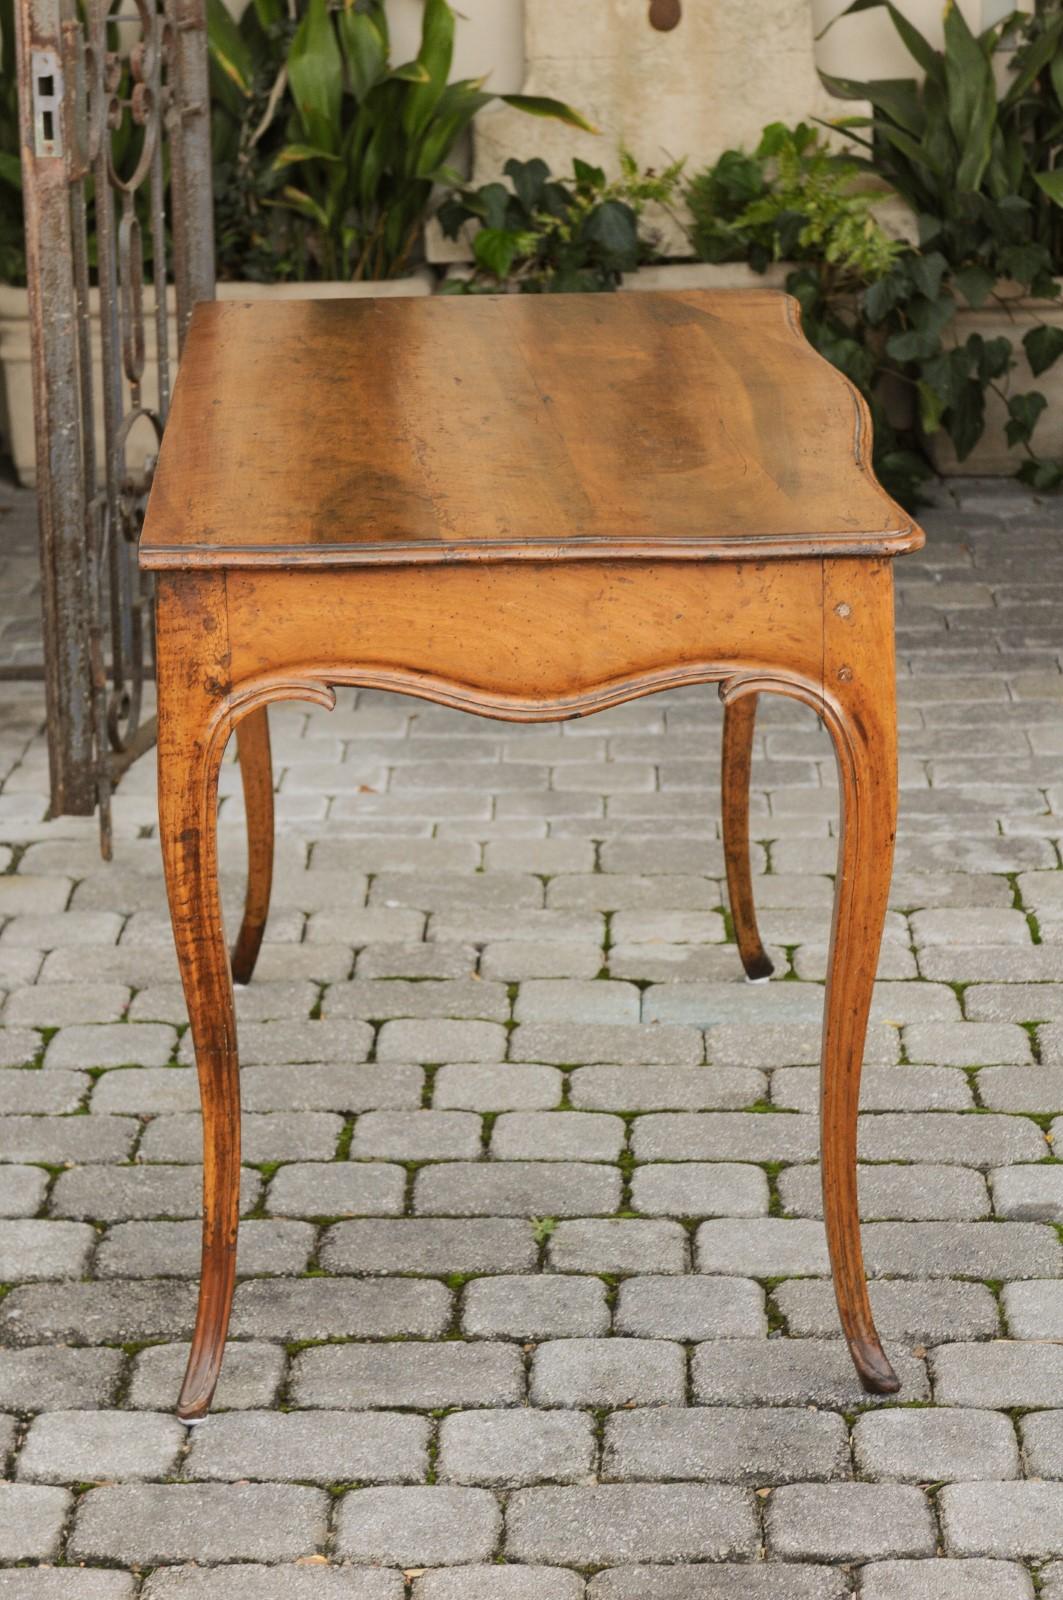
pixel 922 1313
pixel 289 1043
pixel 172 1249
pixel 56 1005
pixel 336 1189
pixel 289 1582
pixel 881 1089
pixel 22 1190
pixel 151 1524
pixel 60 1140
pixel 1036 1089
pixel 31 1250
pixel 1033 1193
pixel 331 1086
pixel 774 1580
pixel 691 1308
pixel 606 1524
pixel 981 1141
pixel 251 1377
pixel 643 1088
pixel 1003 1374
pixel 533 1308
pixel 56 1378
pixel 510 1449
pixel 961 1249
pixel 314 1447
pixel 516 960
pixel 615 891
pixel 422 1376
pixel 435 1525
pixel 911 1194
pixel 966 1044
pixel 18 1046
pixel 700 1189
pixel 1042 1444
pixel 65 1583
pixel 337 1308
pixel 924 1446
pixel 145 1091
pixel 769 1247
pixel 92 1446
pixel 97 1313
pixel 1013 1002
pixel 415 959
pixel 417 1135
pixel 955 926
pixel 142 1044
pixel 608 1372
pixel 573 1043
pixel 517 1188
pixel 724 1136
pixel 795 1044
pixel 478 1086
pixel 848 1522
pixel 944 1580
pixel 277 1136
pixel 1034 1310
pixel 1007 1520
pixel 615 1244
pixel 749 1446
pixel 441 1039
pixel 1052 1581
pixel 382 999
pixel 430 1245
pixel 111 1194
pixel 574 1000
pixel 499 1582
pixel 31 1521
pixel 804 1372
pixel 40 1093
pixel 557 1136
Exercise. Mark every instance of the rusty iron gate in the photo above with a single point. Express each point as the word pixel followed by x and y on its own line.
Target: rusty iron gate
pixel 115 147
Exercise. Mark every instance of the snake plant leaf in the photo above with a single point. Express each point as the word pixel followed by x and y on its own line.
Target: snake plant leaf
pixel 1051 184
pixel 434 56
pixel 231 62
pixel 365 50
pixel 971 98
pixel 541 105
pixel 315 71
pixel 302 152
pixel 411 72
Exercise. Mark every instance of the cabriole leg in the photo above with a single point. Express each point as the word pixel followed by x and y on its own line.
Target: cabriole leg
pixel 739 716
pixel 256 772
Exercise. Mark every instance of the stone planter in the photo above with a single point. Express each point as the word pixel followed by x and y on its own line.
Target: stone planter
pixel 1011 316
pixel 16 388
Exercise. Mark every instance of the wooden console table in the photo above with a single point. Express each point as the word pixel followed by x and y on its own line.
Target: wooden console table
pixel 531 507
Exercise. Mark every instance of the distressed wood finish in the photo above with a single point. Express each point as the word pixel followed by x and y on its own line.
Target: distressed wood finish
pixel 530 508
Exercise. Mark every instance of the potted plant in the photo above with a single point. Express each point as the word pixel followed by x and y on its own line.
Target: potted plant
pixel 977 325
pixel 542 234
pixel 328 157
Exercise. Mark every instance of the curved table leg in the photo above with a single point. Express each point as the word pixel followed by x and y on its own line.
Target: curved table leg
pixel 739 716
pixel 193 727
pixel 256 772
pixel 862 722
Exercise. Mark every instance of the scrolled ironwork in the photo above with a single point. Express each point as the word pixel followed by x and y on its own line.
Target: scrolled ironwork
pixel 121 258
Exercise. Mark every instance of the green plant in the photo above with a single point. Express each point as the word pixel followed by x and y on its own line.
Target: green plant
pixel 980 171
pixel 12 248
pixel 793 199
pixel 315 121
pixel 540 234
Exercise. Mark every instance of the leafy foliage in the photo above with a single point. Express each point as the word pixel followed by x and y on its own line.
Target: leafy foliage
pixel 977 169
pixel 542 235
pixel 313 121
pixel 794 199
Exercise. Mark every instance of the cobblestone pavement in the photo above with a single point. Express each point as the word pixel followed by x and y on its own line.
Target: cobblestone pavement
pixel 533 1299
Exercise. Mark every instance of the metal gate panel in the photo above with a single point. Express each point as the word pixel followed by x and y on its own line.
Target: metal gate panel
pixel 115 146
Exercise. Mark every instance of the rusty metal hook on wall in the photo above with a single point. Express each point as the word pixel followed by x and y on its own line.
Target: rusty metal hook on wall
pixel 665 14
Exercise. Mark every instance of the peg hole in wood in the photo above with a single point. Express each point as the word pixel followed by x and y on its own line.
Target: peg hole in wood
pixel 665 15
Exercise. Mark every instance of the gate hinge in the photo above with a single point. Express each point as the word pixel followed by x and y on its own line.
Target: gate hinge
pixel 46 89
